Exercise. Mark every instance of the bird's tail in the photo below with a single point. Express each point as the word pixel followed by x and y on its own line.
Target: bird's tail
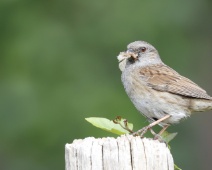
pixel 201 105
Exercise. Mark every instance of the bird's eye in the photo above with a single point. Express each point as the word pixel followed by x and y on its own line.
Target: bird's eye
pixel 143 49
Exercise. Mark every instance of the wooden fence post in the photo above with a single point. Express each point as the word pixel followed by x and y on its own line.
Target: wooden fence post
pixel 122 153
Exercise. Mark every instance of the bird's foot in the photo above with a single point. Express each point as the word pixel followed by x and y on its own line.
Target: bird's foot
pixel 142 131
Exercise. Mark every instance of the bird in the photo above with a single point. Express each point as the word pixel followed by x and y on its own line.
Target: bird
pixel 157 91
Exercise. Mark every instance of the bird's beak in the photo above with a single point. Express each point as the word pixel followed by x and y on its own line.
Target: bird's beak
pixel 125 55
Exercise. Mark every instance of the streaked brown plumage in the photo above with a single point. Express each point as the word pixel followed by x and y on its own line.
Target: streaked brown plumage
pixel 163 78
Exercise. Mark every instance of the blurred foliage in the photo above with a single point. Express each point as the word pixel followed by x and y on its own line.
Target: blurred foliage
pixel 58 66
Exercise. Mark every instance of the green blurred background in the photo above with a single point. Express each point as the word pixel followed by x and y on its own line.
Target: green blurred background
pixel 58 66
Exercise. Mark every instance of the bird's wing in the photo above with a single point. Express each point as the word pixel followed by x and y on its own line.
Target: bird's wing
pixel 162 78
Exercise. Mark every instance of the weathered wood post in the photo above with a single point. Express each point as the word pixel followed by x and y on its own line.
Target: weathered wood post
pixel 123 153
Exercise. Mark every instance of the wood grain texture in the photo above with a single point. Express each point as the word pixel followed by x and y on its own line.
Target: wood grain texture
pixel 123 153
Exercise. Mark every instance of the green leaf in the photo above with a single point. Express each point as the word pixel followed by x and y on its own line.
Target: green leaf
pixel 167 137
pixel 108 125
pixel 176 167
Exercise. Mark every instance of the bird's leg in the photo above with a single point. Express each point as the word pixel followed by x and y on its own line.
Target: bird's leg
pixel 157 136
pixel 152 132
pixel 146 128
pixel 162 130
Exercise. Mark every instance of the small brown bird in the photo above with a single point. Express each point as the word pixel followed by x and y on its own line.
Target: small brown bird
pixel 161 94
